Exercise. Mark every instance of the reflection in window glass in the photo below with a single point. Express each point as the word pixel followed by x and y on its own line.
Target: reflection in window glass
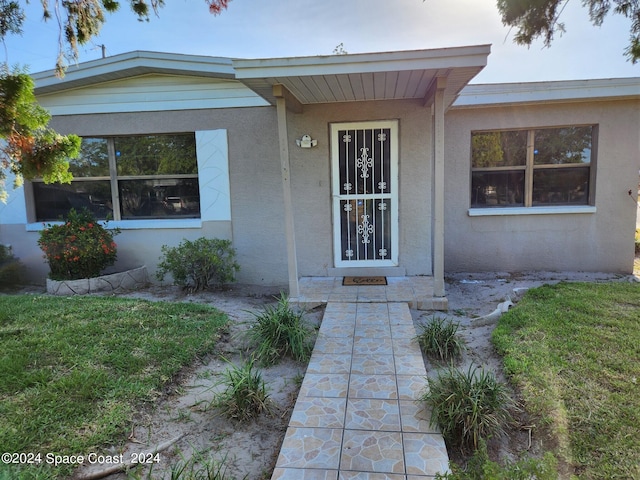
pixel 54 201
pixel 159 198
pixel 498 149
pixel 536 167
pixel 566 186
pixel 157 177
pixel 156 155
pixel 559 146
pixel 497 188
pixel 93 160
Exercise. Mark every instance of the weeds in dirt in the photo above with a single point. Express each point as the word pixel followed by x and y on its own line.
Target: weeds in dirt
pixel 468 406
pixel 183 416
pixel 209 470
pixel 197 467
pixel 246 395
pixel 480 467
pixel 279 331
pixel 439 338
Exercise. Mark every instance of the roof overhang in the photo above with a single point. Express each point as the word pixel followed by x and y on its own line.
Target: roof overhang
pixel 133 64
pixel 365 77
pixel 310 80
pixel 505 94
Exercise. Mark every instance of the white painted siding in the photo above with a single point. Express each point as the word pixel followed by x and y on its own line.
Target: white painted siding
pixel 152 93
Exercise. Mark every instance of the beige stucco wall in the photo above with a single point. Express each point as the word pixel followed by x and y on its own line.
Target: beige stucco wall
pixel 257 226
pixel 257 229
pixel 600 241
pixel 311 181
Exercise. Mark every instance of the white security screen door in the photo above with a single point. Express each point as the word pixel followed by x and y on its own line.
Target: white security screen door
pixel 365 200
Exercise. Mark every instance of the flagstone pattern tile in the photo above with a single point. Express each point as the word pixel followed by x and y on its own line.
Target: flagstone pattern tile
pixel 356 416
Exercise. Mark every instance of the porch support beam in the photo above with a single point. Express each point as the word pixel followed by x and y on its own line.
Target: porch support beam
pixel 281 94
pixel 438 186
pixel 433 87
pixel 293 104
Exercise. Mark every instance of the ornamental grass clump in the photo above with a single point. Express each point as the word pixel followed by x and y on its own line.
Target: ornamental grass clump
pixel 279 331
pixel 78 248
pixel 468 406
pixel 245 395
pixel 439 338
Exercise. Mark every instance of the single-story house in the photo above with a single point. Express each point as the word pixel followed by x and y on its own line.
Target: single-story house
pixel 375 164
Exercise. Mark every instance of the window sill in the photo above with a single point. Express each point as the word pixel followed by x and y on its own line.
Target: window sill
pixel 555 210
pixel 133 224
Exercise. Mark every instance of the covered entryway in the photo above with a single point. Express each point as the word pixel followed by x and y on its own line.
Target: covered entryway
pixel 364 191
pixel 358 220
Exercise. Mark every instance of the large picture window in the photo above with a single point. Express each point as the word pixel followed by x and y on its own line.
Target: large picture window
pixel 123 178
pixel 529 168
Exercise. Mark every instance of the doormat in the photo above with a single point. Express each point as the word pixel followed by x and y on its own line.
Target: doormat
pixel 364 281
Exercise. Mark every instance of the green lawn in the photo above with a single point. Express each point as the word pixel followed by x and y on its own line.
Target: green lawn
pixel 74 370
pixel 574 351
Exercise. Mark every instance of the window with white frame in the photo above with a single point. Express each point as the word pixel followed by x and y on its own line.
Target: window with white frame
pixel 534 167
pixel 124 178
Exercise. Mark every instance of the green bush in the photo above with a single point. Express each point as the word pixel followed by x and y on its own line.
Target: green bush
pixel 246 395
pixel 468 406
pixel 480 467
pixel 10 268
pixel 199 264
pixel 279 331
pixel 439 338
pixel 78 248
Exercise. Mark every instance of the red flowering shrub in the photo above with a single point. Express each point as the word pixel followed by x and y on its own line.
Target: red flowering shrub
pixel 78 248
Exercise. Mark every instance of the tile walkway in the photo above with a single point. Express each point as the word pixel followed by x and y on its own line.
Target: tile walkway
pixel 356 417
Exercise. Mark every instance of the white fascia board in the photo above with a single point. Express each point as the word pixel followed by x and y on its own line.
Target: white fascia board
pixel 363 63
pixel 130 64
pixel 558 91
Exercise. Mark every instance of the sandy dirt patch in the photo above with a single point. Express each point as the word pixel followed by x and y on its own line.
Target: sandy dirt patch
pixel 249 450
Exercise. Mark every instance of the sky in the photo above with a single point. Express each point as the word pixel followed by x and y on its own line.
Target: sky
pixel 278 28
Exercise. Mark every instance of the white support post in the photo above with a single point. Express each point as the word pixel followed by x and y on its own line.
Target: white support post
pixel 438 185
pixel 283 137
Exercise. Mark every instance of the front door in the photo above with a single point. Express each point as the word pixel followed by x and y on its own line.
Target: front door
pixel 365 193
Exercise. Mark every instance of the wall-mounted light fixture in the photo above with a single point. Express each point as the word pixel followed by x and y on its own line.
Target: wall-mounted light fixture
pixel 306 142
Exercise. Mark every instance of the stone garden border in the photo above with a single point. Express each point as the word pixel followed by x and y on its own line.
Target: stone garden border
pixel 116 283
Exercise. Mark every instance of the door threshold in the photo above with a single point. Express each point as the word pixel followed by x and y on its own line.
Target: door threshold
pixel 367 271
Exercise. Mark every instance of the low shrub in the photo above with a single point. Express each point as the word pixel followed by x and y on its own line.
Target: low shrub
pixel 637 241
pixel 246 395
pixel 199 264
pixel 439 338
pixel 78 248
pixel 468 406
pixel 11 269
pixel 279 331
pixel 480 467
